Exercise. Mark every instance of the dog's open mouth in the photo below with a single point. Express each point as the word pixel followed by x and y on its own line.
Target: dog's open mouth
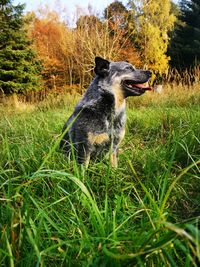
pixel 141 86
pixel 135 89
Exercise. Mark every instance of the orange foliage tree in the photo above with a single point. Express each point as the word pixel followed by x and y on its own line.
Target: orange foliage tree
pixel 47 35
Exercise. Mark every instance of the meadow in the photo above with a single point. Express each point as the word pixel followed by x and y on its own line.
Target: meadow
pixel 144 213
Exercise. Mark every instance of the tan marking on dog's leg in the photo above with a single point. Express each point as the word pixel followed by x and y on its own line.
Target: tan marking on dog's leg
pixel 113 159
pixel 97 138
pixel 121 136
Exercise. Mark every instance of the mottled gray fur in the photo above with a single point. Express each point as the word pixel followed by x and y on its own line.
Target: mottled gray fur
pixel 97 124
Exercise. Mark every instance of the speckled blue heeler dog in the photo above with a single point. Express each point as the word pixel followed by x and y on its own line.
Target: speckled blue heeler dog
pixel 97 124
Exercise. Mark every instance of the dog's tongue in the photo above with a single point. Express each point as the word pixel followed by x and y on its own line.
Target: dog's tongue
pixel 144 86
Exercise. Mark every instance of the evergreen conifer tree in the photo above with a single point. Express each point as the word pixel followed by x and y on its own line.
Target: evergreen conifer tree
pixel 185 44
pixel 19 69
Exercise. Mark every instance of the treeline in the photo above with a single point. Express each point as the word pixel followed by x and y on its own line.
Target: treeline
pixel 38 52
pixel 138 34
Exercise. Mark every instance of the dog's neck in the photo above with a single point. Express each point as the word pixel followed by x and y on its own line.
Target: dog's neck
pixel 118 94
pixel 119 107
pixel 119 98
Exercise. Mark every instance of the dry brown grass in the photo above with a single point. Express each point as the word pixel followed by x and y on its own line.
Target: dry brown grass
pixel 171 95
pixel 189 77
pixel 183 90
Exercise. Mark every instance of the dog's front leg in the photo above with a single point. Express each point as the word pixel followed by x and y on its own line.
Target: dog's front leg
pixel 83 155
pixel 113 158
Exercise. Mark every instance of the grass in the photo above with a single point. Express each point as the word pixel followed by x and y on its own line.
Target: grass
pixel 145 213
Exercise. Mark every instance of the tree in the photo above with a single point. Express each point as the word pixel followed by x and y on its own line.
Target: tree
pixel 48 35
pixel 154 21
pixel 88 21
pixel 117 19
pixel 116 13
pixel 184 49
pixel 105 39
pixel 19 68
pixel 68 53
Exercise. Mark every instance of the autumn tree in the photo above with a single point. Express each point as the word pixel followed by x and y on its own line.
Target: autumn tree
pixel 19 68
pixel 117 17
pixel 46 36
pixel 88 21
pixel 116 13
pixel 154 21
pixel 68 53
pixel 101 40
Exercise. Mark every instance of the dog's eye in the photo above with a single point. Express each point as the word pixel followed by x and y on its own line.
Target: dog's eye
pixel 129 68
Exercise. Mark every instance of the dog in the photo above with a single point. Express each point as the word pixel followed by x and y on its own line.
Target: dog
pixel 97 124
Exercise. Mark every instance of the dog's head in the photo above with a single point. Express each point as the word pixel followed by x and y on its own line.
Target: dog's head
pixel 123 75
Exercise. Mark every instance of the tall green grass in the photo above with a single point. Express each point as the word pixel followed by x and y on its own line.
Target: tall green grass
pixel 145 213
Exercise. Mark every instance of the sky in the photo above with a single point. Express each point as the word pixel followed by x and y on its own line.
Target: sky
pixel 69 10
pixel 69 5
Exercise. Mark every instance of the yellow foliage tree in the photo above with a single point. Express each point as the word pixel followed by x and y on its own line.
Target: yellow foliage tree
pixel 155 21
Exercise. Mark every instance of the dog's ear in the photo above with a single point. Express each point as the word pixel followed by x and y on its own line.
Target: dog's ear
pixel 101 67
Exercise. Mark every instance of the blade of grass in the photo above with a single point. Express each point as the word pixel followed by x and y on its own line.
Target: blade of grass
pixel 174 183
pixel 9 247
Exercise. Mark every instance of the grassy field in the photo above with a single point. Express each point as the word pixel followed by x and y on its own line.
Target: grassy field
pixel 145 213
